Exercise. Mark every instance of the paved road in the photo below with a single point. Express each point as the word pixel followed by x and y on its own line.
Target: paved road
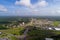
pixel 25 32
pixel 23 37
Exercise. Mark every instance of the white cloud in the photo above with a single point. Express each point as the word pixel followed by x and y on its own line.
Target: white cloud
pixel 28 3
pixel 32 8
pixel 42 3
pixel 57 11
pixel 2 8
pixel 23 2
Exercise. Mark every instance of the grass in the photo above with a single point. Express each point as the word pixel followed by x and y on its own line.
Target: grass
pixel 13 38
pixel 13 31
pixel 56 23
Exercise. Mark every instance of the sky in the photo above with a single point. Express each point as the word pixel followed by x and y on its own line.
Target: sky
pixel 29 7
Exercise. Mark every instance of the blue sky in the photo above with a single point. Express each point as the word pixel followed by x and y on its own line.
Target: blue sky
pixel 29 7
